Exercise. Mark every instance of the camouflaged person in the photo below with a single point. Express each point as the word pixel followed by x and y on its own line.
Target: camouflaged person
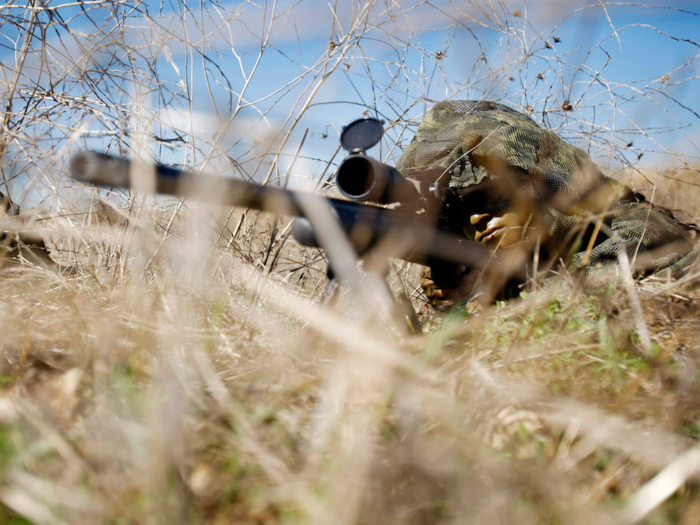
pixel 537 201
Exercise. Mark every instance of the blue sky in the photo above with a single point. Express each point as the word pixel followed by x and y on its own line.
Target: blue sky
pixel 629 72
pixel 630 49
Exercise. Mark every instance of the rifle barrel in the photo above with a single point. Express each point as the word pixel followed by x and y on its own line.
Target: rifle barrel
pixel 106 170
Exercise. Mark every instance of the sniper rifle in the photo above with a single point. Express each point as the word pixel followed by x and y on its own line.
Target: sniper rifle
pixel 423 226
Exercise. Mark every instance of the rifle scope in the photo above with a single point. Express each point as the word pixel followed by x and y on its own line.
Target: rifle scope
pixel 361 178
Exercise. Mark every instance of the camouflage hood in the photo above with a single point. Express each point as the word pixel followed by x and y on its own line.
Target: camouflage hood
pixel 470 138
pixel 477 142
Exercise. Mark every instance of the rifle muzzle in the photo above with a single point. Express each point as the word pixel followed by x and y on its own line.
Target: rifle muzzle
pixel 361 178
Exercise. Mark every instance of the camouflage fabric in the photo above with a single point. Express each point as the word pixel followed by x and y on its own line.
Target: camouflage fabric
pixel 480 143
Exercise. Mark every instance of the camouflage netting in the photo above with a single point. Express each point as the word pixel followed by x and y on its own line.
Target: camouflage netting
pixel 480 144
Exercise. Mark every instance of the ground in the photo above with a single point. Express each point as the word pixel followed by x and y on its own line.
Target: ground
pixel 209 390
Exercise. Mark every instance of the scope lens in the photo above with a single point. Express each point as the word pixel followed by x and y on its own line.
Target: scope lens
pixel 356 177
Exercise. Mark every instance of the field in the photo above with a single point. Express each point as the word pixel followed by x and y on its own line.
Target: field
pixel 178 362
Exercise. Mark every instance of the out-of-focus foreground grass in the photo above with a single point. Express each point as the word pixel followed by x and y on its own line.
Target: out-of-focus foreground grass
pixel 181 364
pixel 176 381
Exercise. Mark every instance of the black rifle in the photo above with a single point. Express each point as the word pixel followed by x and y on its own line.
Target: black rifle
pixel 423 229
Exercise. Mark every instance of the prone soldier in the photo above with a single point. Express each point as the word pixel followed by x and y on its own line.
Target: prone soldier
pixel 535 200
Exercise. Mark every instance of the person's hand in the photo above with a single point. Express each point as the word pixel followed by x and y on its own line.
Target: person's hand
pixel 499 231
pixel 435 296
pixel 447 285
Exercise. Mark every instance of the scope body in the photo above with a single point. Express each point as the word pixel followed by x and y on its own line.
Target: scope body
pixel 362 178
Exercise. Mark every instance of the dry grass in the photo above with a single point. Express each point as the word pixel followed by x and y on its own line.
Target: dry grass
pixel 182 363
pixel 235 397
